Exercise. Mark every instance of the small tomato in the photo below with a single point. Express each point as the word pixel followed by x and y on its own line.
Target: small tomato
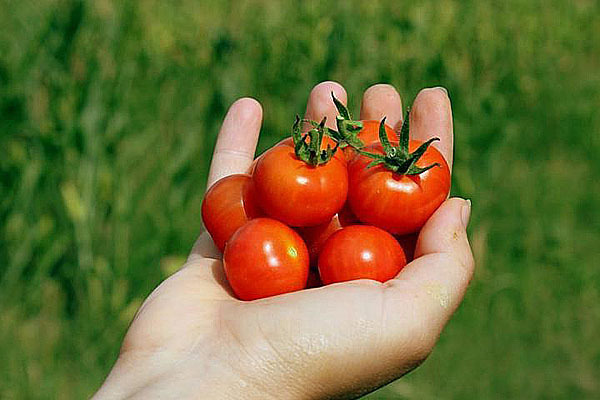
pixel 227 205
pixel 360 252
pixel 265 258
pixel 297 193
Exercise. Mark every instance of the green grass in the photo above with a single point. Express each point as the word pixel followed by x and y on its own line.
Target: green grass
pixel 108 114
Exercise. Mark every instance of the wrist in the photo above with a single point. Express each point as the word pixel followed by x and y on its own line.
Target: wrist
pixel 159 376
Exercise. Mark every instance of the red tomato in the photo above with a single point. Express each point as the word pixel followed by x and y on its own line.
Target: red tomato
pixel 227 205
pixel 265 258
pixel 297 193
pixel 360 252
pixel 400 204
pixel 316 236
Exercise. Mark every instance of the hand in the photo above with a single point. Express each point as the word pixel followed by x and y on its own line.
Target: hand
pixel 193 339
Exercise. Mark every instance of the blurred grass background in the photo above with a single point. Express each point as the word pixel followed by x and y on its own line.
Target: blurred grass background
pixel 109 111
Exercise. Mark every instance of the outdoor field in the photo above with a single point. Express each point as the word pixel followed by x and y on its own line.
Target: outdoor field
pixel 109 111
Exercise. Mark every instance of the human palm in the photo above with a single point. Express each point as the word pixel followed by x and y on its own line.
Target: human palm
pixel 193 339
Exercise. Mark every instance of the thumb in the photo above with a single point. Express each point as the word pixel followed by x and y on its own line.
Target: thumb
pixel 434 284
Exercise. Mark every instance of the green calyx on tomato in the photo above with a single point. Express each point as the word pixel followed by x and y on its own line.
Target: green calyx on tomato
pixel 310 152
pixel 347 128
pixel 398 158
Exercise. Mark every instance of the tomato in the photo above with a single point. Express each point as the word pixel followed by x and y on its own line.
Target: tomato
pixel 398 203
pixel 360 252
pixel 265 258
pixel 296 193
pixel 227 205
pixel 316 236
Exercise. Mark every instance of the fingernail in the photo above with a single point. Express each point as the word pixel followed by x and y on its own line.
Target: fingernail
pixel 443 89
pixel 466 213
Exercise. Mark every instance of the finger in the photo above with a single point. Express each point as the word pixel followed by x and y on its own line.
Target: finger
pixel 380 101
pixel 211 278
pixel 236 143
pixel 320 103
pixel 434 283
pixel 431 116
pixel 204 247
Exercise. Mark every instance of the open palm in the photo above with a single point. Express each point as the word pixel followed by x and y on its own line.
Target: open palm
pixel 193 339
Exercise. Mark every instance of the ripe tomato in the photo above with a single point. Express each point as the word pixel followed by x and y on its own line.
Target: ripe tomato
pixel 227 205
pixel 265 258
pixel 316 236
pixel 296 193
pixel 360 252
pixel 398 203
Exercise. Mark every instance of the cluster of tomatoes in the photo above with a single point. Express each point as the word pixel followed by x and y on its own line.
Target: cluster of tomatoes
pixel 324 206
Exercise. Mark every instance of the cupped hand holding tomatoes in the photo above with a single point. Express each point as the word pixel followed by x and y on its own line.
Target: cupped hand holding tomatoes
pixel 397 186
pixel 300 184
pixel 227 205
pixel 265 258
pixel 360 252
pixel 164 324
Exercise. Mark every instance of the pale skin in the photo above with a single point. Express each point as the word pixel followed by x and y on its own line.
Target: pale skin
pixel 193 339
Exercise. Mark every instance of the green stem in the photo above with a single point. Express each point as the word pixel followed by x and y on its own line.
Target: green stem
pixel 311 153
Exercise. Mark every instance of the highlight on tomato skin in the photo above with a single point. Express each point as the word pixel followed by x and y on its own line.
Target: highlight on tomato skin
pixel 227 206
pixel 360 252
pixel 296 193
pixel 397 203
pixel 265 258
